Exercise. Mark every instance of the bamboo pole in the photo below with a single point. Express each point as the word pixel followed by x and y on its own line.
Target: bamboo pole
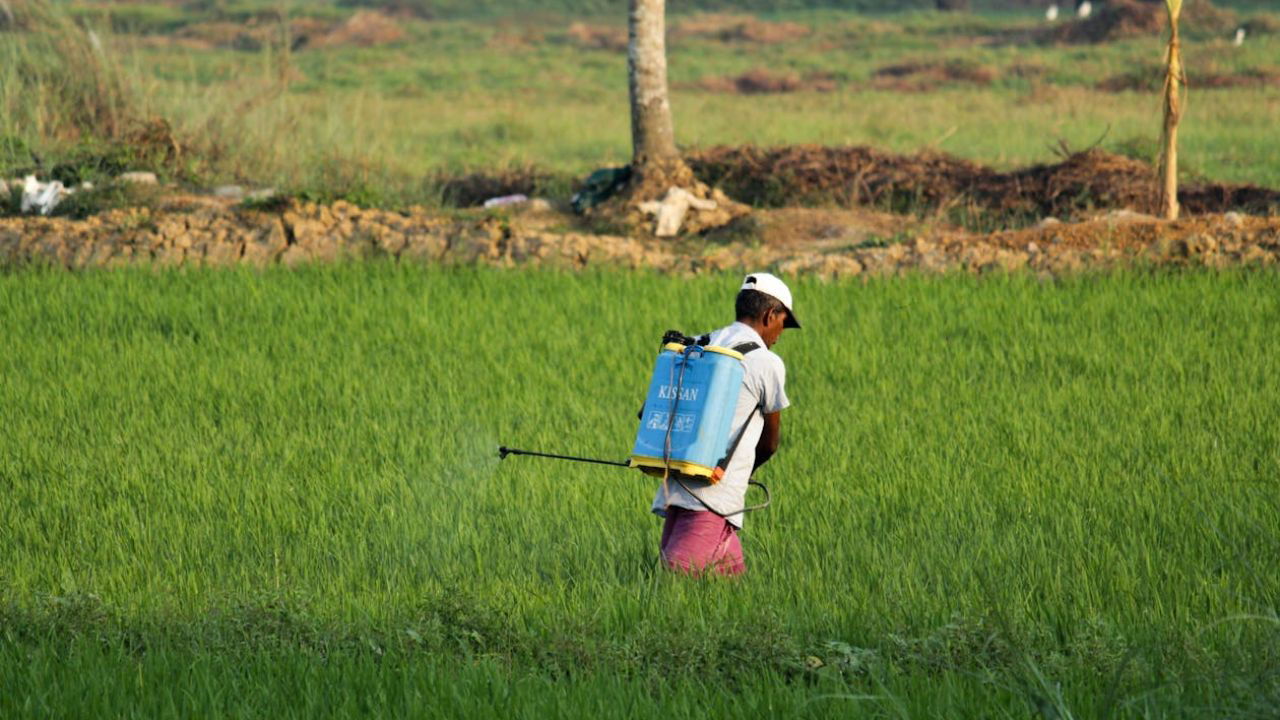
pixel 1174 79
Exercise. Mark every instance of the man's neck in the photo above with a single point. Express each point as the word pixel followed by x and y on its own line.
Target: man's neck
pixel 754 325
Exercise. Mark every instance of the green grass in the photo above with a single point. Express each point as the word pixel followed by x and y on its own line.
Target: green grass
pixel 252 493
pixel 381 124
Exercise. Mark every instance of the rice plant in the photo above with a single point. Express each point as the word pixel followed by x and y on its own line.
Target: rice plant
pixel 252 493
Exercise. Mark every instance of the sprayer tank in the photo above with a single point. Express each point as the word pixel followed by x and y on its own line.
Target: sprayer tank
pixel 704 400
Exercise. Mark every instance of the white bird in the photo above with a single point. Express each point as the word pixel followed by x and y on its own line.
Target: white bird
pixel 1084 9
pixel 1239 37
pixel 1052 13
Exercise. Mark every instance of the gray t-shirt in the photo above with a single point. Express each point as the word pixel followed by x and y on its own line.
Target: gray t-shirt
pixel 764 379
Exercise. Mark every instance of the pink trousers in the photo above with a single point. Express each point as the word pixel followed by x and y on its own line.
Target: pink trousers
pixel 693 541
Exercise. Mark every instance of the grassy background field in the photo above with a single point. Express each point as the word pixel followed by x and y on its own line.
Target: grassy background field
pixel 379 125
pixel 241 493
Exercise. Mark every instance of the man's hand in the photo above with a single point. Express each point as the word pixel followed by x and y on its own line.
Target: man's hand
pixel 770 438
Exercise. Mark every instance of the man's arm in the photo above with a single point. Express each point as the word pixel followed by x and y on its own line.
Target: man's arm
pixel 770 437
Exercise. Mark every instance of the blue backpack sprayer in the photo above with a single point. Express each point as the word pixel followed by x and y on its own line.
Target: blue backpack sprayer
pixel 686 422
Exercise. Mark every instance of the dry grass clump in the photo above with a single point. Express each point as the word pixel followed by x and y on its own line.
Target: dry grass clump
pixel 760 81
pixel 597 37
pixel 83 90
pixel 924 76
pixel 68 97
pixel 11 21
pixel 738 28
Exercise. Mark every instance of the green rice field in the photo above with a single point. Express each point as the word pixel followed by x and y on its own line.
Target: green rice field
pixel 277 493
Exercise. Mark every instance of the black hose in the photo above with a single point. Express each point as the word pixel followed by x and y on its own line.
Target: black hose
pixel 504 451
pixel 666 451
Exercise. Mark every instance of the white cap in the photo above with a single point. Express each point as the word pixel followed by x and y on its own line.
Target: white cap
pixel 771 285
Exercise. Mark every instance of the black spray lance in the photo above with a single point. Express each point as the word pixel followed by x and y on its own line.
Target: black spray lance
pixel 683 351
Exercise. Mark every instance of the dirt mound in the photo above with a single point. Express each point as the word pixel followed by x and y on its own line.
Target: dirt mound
pixel 738 28
pixel 1151 78
pixel 597 37
pixel 927 182
pixel 1115 20
pixel 1120 19
pixel 366 28
pixel 812 174
pixel 931 75
pixel 761 81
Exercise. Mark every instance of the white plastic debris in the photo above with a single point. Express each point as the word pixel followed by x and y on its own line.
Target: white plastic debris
pixel 1084 9
pixel 504 200
pixel 1052 13
pixel 671 210
pixel 41 197
pixel 1239 40
pixel 142 178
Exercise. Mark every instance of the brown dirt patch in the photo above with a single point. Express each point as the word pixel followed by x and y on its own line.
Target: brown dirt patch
pixel 512 36
pixel 597 37
pixel 1151 79
pixel 760 81
pixel 822 228
pixel 929 182
pixel 925 76
pixel 1253 78
pixel 738 28
pixel 366 28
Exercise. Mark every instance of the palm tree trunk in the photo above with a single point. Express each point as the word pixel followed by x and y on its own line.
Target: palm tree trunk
pixel 655 160
pixel 1172 115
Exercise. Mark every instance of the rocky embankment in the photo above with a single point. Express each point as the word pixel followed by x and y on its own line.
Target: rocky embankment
pixel 214 235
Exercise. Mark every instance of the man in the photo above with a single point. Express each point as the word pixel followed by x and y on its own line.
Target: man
pixel 700 530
